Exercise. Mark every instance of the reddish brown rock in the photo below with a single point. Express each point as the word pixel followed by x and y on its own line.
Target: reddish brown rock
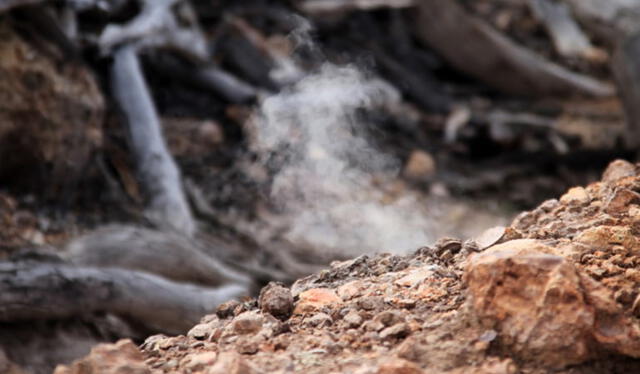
pixel 535 302
pixel 620 201
pixel 602 237
pixel 122 357
pixel 276 299
pixel 51 114
pixel 314 299
pixel 247 323
pixel 576 196
pixel 618 169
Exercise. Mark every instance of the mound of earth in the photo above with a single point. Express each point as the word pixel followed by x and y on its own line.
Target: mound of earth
pixel 557 291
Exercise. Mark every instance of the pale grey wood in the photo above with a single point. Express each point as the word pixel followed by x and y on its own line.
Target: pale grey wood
pixel 474 47
pixel 159 174
pixel 568 38
pixel 35 290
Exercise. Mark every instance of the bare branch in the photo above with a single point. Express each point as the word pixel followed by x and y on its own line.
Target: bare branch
pixel 158 171
pixel 30 290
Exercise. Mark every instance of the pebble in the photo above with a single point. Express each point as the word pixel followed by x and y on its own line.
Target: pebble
pixel 396 331
pixel 314 299
pixel 353 319
pixel 419 166
pixel 576 196
pixel 247 323
pixel 276 299
pixel 319 320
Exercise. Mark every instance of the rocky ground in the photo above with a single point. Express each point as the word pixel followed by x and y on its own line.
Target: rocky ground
pixel 554 292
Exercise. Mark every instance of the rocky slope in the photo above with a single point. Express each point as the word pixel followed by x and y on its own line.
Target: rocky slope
pixel 554 292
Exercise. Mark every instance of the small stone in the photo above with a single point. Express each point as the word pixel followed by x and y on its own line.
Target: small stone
pixel 576 196
pixel 373 326
pixel 415 276
pixel 350 290
pixel 389 318
pixel 276 299
pixel 227 309
pixel 319 320
pixel 406 303
pixel 618 169
pixel 200 360
pixel 247 323
pixel 353 319
pixel 370 303
pixel 411 349
pixel 314 299
pixel 420 166
pixel 201 331
pixel 398 330
pixel 620 201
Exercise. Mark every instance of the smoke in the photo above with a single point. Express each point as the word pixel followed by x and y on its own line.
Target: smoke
pixel 329 176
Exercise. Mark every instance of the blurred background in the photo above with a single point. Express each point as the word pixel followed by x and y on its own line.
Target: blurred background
pixel 307 131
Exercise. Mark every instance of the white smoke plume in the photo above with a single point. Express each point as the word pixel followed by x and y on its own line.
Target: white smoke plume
pixel 327 183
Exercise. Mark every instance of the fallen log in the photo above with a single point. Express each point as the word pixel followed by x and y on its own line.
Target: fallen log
pixel 47 290
pixel 474 47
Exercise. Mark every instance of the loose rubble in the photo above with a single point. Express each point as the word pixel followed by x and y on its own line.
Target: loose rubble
pixel 557 291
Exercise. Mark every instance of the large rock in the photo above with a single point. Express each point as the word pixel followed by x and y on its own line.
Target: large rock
pixel 51 113
pixel 543 308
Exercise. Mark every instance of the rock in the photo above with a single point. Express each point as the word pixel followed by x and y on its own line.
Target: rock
pixel 601 237
pixel 203 330
pixel 398 366
pixel 504 285
pixel 350 290
pixel 576 196
pixel 388 318
pixel 420 166
pixel 411 349
pixel 370 303
pixel 276 299
pixel 319 320
pixel 228 308
pixel 247 323
pixel 373 325
pixel 232 363
pixel 352 319
pixel 399 330
pixel 314 299
pixel 620 201
pixel 618 169
pixel 122 357
pixel 416 276
pixel 199 360
pixel 51 115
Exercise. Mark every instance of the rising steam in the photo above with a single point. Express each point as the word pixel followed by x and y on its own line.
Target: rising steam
pixel 326 184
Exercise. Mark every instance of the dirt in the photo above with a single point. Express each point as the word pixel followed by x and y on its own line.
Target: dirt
pixel 556 291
